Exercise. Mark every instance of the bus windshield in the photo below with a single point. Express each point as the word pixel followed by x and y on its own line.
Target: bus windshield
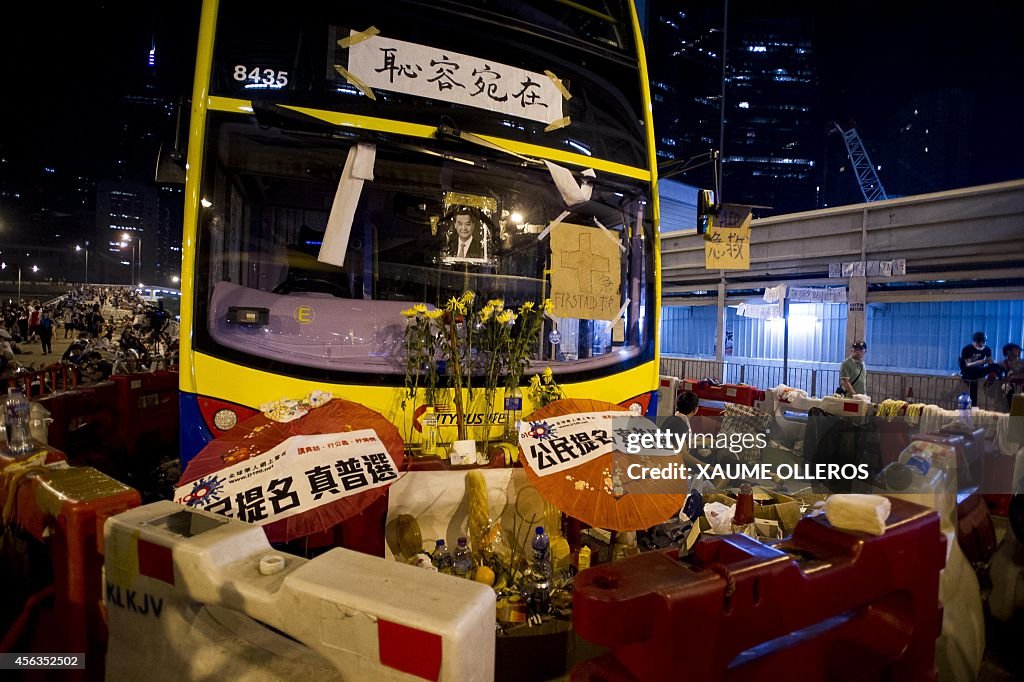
pixel 295 58
pixel 267 195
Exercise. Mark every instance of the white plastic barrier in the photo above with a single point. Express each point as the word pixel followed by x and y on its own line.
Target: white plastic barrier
pixel 668 389
pixel 189 593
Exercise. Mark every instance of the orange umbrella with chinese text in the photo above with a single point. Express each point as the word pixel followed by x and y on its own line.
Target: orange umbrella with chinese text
pixel 599 491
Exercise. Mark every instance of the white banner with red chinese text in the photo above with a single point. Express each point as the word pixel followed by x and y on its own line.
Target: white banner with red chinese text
pixel 299 474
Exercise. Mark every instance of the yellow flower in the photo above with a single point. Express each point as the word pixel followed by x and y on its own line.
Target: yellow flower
pixel 548 306
pixel 526 307
pixel 410 312
pixel 486 312
pixel 504 317
pixel 455 305
pixel 548 374
pixel 434 314
pixel 535 381
pixel 467 297
pixel 420 308
pixel 497 304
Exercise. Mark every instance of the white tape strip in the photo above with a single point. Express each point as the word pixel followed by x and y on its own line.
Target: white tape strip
pixel 622 310
pixel 608 233
pixel 563 216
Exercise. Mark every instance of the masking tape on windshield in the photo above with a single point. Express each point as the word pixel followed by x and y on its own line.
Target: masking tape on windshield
pixel 358 37
pixel 608 233
pixel 622 310
pixel 558 123
pixel 558 84
pixel 363 87
pixel 540 237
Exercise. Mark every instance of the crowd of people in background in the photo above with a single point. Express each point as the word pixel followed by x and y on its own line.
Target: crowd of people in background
pixel 114 331
pixel 977 365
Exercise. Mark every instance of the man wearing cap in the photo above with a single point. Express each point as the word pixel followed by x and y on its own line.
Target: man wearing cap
pixel 853 375
pixel 976 363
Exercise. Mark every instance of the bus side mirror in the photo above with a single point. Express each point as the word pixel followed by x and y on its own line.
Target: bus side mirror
pixel 706 207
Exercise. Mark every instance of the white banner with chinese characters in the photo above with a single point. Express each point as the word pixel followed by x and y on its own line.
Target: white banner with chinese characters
pixel 555 444
pixel 299 474
pixel 399 66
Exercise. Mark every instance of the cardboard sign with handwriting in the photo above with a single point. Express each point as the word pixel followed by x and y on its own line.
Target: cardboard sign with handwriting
pixel 585 272
pixel 727 241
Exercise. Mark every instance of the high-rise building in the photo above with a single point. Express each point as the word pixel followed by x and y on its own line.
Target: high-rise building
pixel 773 136
pixel 931 143
pixel 138 221
pixel 127 217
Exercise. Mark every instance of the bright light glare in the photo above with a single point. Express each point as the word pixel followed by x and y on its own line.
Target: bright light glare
pixel 35 268
pixel 516 218
pixel 77 247
pixel 126 237
pixel 175 279
pixel 206 202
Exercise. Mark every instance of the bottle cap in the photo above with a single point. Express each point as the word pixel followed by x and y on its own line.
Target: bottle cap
pixel 462 542
pixel 540 530
pixel 439 543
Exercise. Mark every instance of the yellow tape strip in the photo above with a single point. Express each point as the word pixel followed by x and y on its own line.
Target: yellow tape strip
pixel 357 38
pixel 558 84
pixel 363 87
pixel 558 123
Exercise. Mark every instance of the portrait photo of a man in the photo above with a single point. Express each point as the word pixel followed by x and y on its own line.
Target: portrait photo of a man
pixel 466 239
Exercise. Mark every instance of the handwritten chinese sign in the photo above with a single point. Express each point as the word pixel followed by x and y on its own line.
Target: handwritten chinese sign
pixel 399 66
pixel 559 443
pixel 302 473
pixel 585 272
pixel 727 242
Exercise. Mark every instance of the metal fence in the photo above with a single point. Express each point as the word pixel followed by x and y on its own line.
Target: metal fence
pixel 919 388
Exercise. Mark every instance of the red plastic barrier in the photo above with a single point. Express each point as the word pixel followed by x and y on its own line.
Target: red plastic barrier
pixel 65 508
pixel 146 404
pixel 41 382
pixel 85 423
pixel 739 394
pixel 830 604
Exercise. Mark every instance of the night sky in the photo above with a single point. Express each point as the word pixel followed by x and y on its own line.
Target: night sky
pixel 64 65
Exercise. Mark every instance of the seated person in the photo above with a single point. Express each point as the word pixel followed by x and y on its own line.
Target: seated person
pixel 686 407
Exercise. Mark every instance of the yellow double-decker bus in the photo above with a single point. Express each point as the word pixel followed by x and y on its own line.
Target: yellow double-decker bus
pixel 349 160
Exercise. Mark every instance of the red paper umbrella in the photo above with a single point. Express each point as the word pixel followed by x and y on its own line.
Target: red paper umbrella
pixel 584 492
pixel 258 434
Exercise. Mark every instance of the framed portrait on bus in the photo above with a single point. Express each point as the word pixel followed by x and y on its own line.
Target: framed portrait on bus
pixel 467 228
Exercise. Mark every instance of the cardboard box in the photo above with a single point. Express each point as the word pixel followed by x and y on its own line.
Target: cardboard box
pixel 783 509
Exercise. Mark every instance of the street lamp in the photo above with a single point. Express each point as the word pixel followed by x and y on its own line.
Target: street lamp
pixel 175 279
pixel 86 249
pixel 35 268
pixel 136 270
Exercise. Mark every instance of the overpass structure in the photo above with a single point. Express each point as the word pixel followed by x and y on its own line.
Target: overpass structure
pixel 965 244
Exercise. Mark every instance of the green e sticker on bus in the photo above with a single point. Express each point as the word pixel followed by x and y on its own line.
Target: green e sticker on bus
pixel 304 314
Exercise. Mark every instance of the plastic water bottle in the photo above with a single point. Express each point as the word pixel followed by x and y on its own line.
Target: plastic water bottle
pixel 513 412
pixel 462 560
pixel 537 581
pixel 430 432
pixel 441 558
pixel 963 404
pixel 16 421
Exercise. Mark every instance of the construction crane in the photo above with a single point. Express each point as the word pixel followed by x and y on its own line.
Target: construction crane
pixel 867 178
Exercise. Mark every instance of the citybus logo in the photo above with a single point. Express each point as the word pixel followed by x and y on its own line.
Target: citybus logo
pixel 304 314
pixel 446 417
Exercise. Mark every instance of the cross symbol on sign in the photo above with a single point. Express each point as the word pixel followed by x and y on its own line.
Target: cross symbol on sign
pixel 585 263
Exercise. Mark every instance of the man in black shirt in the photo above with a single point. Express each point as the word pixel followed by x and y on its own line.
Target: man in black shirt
pixel 976 363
